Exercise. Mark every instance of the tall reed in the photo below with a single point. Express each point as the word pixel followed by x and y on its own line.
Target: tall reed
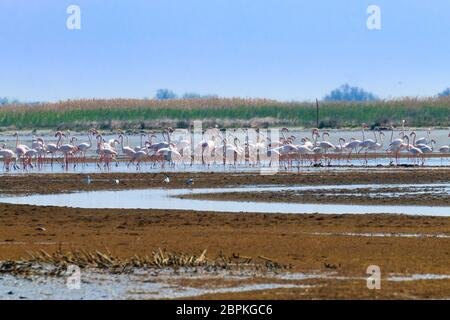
pixel 110 113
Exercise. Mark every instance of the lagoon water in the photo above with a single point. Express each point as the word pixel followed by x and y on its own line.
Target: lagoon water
pixel 168 199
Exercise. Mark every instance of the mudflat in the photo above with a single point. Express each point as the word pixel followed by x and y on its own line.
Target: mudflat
pixel 44 183
pixel 343 244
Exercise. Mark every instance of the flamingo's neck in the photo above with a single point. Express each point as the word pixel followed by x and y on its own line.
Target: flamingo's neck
pixel 90 139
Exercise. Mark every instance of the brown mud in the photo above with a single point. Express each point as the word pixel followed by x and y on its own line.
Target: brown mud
pixel 308 243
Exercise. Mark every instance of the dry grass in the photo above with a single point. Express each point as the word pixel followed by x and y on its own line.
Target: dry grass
pixel 57 263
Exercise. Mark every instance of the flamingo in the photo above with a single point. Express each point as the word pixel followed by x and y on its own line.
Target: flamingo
pixel 424 140
pixel 340 148
pixel 422 146
pixel 21 149
pixel 231 151
pixel 29 155
pixel 326 145
pixel 366 143
pixel 8 156
pixel 352 145
pixel 209 146
pixel 377 145
pixel 52 148
pixel 139 156
pixel 39 146
pixel 142 144
pixel 126 150
pixel 85 146
pixel 133 154
pixel 303 150
pixel 307 143
pixel 106 152
pixel 170 154
pixel 370 144
pixel 414 151
pixel 67 149
pixel 155 146
pixel 396 145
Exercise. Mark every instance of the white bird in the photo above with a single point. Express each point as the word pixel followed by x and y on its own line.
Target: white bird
pixel 324 144
pixel 377 145
pixel 366 143
pixel 85 146
pixel 397 145
pixel 126 150
pixel 87 180
pixel 414 151
pixel 426 148
pixel 424 140
pixel 353 145
pixel 21 149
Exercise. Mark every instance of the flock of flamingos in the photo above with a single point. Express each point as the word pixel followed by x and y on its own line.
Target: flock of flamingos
pixel 217 147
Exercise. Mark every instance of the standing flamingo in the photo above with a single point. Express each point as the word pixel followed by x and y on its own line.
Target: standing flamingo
pixel 396 145
pixel 67 150
pixel 85 146
pixel 52 148
pixel 8 156
pixel 21 149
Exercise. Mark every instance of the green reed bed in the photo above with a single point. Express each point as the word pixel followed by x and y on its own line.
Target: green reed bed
pixel 134 113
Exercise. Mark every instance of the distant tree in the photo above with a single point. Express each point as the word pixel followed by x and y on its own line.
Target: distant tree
pixel 193 95
pixel 4 101
pixel 165 94
pixel 348 93
pixel 445 93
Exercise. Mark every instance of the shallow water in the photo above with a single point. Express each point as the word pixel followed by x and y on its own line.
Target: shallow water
pixel 167 199
pixel 104 286
pixel 415 277
pixel 122 167
pixel 441 136
pixel 381 234
pixel 166 284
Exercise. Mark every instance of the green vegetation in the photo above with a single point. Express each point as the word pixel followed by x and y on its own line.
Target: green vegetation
pixel 140 114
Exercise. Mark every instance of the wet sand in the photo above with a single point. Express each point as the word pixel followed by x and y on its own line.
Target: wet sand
pixel 309 243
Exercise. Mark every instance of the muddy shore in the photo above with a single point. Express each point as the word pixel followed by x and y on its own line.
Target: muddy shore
pixel 310 242
pixel 366 196
pixel 35 183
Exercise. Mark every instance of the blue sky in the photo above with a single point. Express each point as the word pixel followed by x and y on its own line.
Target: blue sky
pixel 281 49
